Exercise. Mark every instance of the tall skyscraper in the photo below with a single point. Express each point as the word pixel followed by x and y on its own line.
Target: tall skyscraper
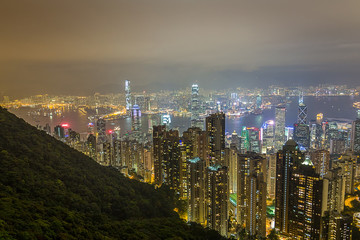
pixel 304 214
pixel 355 136
pixel 218 198
pixel 101 131
pixel 287 158
pixel 302 135
pixel 279 127
pixel 267 137
pixel 271 175
pixel 255 221
pixel 136 118
pixel 196 121
pixel 196 191
pixel 251 192
pixel 321 161
pixel 167 157
pixel 254 139
pixel 302 114
pixel 334 191
pixel 215 128
pixel 127 95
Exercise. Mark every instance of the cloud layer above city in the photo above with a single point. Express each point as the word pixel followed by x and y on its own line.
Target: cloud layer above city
pixel 84 46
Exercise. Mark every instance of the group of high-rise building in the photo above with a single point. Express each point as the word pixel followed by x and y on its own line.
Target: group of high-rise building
pixel 306 170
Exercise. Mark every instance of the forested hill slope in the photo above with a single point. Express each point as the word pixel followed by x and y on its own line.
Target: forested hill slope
pixel 50 191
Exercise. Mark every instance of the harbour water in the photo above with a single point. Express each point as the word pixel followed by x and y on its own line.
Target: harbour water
pixel 338 107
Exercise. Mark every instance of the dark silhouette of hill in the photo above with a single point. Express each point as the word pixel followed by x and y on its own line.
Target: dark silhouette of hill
pixel 51 191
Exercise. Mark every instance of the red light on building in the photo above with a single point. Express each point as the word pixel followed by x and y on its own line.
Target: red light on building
pixel 65 125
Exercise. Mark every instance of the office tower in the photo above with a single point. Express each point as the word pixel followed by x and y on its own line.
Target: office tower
pixel 196 190
pixel 287 159
pixel 235 141
pixel 355 136
pixel 302 113
pixel 218 198
pixel 347 162
pixel 279 127
pixel 215 128
pixel 289 133
pixel 127 95
pixel 136 118
pixel 245 140
pixel 195 107
pixel 267 136
pixel 101 131
pixel 251 175
pixel 337 146
pixel 302 135
pixel 254 139
pixel 271 175
pixel 304 215
pixel 321 161
pixel 333 191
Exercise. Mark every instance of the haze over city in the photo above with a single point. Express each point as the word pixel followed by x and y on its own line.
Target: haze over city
pixel 179 119
pixel 86 46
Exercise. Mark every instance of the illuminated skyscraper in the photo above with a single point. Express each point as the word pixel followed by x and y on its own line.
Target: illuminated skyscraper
pixel 279 127
pixel 127 95
pixel 136 118
pixel 287 158
pixel 101 131
pixel 254 139
pixel 302 115
pixel 321 161
pixel 167 156
pixel 196 191
pixel 304 212
pixel 195 107
pixel 302 135
pixel 215 128
pixel 251 193
pixel 218 198
pixel 267 136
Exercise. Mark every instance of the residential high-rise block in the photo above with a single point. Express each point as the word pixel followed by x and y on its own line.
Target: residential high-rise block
pixel 196 190
pixel 287 158
pixel 217 198
pixel 215 128
pixel 355 136
pixel 304 216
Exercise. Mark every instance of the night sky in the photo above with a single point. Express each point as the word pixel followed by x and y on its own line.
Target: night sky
pixel 86 46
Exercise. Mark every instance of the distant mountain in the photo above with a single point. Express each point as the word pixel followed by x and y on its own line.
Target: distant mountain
pixel 51 191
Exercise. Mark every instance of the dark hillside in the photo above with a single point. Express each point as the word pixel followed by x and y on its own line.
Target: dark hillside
pixel 50 191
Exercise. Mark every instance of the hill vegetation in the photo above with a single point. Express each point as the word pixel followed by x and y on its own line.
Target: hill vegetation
pixel 51 191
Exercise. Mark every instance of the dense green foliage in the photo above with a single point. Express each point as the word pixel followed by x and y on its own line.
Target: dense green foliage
pixel 50 191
